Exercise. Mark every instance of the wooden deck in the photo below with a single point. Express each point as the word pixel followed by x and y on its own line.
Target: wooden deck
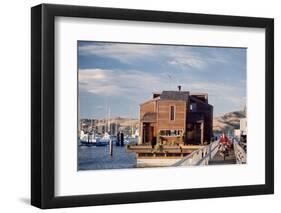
pixel 218 159
pixel 175 149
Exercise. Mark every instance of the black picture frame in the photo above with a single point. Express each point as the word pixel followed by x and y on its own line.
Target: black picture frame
pixel 43 105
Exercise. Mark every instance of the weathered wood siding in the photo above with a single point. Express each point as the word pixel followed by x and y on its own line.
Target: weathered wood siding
pixel 151 126
pixel 149 106
pixel 164 121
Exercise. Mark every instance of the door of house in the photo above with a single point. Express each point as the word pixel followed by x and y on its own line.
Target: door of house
pixel 198 133
pixel 151 136
pixel 148 133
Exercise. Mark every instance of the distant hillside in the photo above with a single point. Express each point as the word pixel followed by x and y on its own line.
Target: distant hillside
pixel 125 121
pixel 228 121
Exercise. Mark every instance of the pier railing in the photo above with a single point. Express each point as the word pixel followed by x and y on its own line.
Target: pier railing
pixel 240 154
pixel 201 156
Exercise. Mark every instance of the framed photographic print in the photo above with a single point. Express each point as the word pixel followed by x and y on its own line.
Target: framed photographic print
pixel 139 106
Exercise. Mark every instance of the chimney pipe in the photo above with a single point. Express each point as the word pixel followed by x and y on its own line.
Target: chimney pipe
pixel 179 87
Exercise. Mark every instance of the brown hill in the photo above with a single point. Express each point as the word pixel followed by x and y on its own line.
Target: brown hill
pixel 124 121
pixel 228 121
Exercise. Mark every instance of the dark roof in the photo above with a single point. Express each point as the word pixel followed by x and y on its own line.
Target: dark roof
pixel 175 95
pixel 200 96
pixel 195 99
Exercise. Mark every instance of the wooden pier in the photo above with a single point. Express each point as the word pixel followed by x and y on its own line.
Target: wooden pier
pixel 219 160
pixel 211 155
pixel 183 156
pixel 164 155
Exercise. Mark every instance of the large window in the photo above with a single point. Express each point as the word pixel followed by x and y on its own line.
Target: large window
pixel 193 107
pixel 172 113
pixel 168 132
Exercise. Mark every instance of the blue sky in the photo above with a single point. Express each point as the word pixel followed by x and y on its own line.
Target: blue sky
pixel 120 76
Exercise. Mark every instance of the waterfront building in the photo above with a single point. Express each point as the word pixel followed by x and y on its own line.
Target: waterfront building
pixel 176 118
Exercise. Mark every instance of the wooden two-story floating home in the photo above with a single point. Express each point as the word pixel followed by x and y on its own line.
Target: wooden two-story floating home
pixel 172 125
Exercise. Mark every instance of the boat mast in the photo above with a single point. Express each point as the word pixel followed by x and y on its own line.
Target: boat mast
pixel 108 119
pixel 91 125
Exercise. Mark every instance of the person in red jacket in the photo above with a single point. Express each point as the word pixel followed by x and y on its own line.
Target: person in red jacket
pixel 224 144
pixel 223 139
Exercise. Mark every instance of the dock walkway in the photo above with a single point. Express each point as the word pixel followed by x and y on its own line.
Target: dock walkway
pixel 218 159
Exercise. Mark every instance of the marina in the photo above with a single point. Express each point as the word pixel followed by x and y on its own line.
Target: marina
pixel 175 128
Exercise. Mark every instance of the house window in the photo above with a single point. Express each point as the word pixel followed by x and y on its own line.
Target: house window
pixel 172 113
pixel 193 107
pixel 173 133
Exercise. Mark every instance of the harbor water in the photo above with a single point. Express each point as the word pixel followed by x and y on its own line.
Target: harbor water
pixel 98 157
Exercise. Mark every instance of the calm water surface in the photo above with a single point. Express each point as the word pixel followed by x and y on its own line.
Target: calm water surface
pixel 92 158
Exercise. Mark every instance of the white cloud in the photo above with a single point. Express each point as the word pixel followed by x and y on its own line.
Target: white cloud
pixel 130 53
pixel 126 53
pixel 188 60
pixel 138 86
pixel 180 56
pixel 118 82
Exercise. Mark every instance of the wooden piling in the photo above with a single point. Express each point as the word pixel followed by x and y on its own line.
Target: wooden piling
pixel 110 147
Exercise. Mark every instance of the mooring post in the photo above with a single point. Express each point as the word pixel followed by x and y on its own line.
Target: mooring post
pixel 110 147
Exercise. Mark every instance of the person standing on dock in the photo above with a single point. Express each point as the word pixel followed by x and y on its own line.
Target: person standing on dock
pixel 118 139
pixel 122 138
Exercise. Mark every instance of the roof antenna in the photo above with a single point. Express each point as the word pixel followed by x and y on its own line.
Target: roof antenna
pixel 179 87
